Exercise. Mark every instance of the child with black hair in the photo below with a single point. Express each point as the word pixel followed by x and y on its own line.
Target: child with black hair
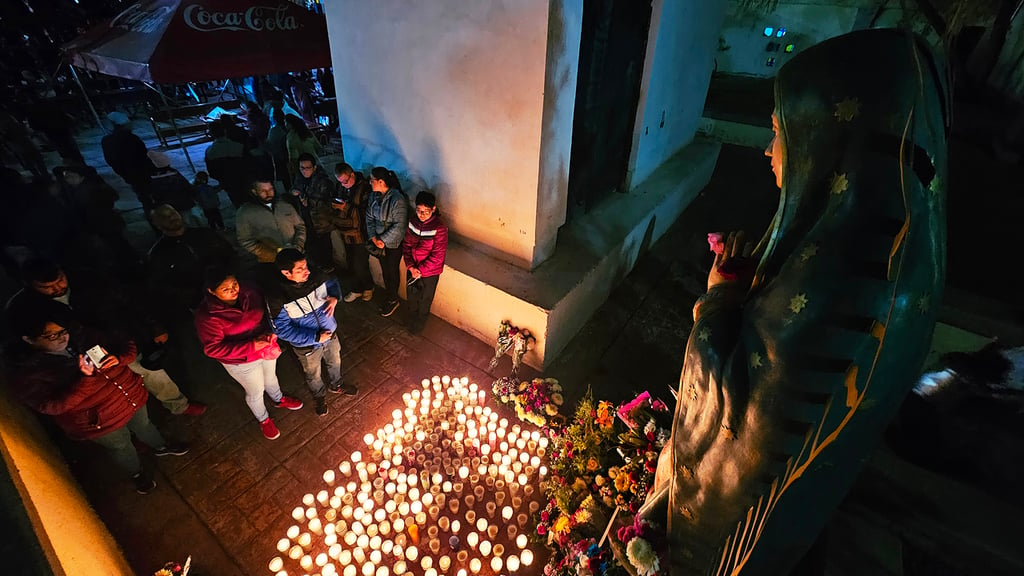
pixel 208 198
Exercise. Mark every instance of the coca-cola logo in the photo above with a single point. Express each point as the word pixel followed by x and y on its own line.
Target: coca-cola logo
pixel 135 19
pixel 255 19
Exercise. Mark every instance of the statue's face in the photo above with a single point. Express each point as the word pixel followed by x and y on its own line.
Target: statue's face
pixel 776 151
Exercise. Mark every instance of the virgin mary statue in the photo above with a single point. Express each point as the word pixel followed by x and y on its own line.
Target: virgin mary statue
pixel 804 346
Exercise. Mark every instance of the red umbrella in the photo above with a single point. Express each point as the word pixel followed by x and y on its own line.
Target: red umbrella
pixel 178 41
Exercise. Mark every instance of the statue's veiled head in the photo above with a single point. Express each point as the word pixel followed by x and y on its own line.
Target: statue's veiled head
pixel 845 105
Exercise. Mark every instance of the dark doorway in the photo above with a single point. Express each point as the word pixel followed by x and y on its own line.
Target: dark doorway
pixel 612 50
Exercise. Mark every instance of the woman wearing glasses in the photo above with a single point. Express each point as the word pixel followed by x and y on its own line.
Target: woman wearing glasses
pixel 104 401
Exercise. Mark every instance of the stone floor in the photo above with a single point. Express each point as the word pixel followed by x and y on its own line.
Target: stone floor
pixel 228 501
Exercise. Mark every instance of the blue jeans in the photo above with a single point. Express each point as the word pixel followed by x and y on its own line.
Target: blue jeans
pixel 118 442
pixel 310 359
pixel 256 378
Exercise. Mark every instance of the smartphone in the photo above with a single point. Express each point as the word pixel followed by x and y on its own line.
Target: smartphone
pixel 96 355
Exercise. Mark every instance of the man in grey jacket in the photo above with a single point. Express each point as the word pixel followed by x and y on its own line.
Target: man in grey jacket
pixel 265 226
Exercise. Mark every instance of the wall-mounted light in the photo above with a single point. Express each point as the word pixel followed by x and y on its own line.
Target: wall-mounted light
pixel 789 48
pixel 770 62
pixel 780 32
pixel 768 31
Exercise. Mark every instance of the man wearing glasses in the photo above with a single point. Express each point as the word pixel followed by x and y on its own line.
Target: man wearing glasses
pixel 313 190
pixel 91 304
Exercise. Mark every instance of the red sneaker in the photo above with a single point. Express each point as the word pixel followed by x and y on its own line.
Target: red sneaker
pixel 270 431
pixel 289 403
pixel 194 409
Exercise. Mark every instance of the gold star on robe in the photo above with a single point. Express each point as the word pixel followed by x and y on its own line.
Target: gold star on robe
pixel 923 303
pixel 839 183
pixel 704 335
pixel 847 109
pixel 755 360
pixel 808 252
pixel 798 303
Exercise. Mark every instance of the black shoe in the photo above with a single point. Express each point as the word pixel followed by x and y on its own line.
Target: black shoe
pixel 143 483
pixel 171 449
pixel 321 406
pixel 349 389
pixel 388 308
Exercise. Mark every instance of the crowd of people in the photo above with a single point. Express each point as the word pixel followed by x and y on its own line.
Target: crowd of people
pixel 89 337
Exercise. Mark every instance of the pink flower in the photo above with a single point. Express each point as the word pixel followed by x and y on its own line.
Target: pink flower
pixel 715 242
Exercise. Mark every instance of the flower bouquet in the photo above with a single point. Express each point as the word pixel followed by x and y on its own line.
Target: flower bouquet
pixel 583 557
pixel 642 541
pixel 175 568
pixel 513 338
pixel 535 401
pixel 647 422
pixel 580 453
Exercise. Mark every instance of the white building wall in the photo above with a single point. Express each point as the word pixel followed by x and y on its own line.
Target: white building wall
pixel 451 96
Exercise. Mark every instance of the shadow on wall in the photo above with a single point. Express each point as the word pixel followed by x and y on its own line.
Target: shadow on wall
pixel 364 155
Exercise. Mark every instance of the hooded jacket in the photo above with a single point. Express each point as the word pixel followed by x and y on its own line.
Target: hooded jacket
pixel 227 332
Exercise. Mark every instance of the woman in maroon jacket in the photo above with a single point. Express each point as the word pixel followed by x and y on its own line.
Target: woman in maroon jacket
pixel 105 404
pixel 232 327
pixel 424 248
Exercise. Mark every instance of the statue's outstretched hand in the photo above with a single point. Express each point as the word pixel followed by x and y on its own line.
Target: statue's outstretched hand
pixel 733 266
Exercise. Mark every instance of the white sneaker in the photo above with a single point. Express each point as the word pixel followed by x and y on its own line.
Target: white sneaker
pixel 352 296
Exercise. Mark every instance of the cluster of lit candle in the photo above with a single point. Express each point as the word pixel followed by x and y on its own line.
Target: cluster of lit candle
pixel 447 486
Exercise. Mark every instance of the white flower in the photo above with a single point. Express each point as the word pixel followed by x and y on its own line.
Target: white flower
pixel 661 438
pixel 642 557
pixel 583 568
pixel 650 427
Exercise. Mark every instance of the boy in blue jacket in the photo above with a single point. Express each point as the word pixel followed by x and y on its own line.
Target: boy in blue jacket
pixel 301 306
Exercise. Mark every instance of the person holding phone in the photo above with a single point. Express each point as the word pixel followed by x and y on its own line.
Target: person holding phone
pixel 350 205
pixel 91 393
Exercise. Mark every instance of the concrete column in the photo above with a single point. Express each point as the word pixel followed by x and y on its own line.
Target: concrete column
pixel 473 100
pixel 681 50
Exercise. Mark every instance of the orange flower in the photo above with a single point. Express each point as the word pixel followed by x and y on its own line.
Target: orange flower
pixel 593 464
pixel 605 414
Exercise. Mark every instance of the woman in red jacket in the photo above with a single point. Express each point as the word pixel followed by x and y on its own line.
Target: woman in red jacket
pixel 105 404
pixel 232 326
pixel 424 248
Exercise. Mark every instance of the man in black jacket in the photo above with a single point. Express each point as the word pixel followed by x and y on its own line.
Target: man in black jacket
pixel 125 153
